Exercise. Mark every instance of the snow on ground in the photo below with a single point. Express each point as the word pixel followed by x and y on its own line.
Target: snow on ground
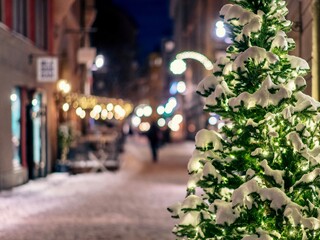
pixel 128 204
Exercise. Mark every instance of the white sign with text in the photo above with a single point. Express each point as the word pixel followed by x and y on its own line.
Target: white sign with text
pixel 47 69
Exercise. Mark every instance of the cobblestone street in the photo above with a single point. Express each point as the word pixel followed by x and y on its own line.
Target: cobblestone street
pixel 128 204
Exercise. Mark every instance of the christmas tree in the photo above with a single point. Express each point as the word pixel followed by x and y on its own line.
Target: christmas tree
pixel 259 176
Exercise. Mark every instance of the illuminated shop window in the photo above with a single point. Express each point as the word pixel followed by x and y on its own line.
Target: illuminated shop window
pixel 36 121
pixel 16 124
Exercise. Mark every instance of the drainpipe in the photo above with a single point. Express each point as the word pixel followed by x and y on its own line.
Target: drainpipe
pixel 316 49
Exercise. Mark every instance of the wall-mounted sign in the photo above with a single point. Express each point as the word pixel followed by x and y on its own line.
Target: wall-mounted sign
pixel 47 69
pixel 86 55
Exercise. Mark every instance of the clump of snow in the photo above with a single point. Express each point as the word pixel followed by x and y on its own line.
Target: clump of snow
pixel 294 213
pixel 300 127
pixel 262 96
pixel 239 196
pixel 276 174
pixel 311 223
pixel 190 218
pixel 298 63
pixel 273 132
pixel 221 90
pixel 263 235
pixel 250 122
pixel 308 177
pixel 192 201
pixel 296 141
pixel 280 41
pixel 209 169
pixel 256 237
pixel 297 83
pixel 257 54
pixel 287 112
pixel 208 84
pixel 236 15
pixel 315 152
pixel 227 69
pixel 220 63
pixel 194 162
pixel 175 209
pixel 305 102
pixel 205 138
pixel 193 180
pixel 250 173
pixel 276 196
pixel 311 156
pixel 225 213
pixel 253 26
pixel 257 152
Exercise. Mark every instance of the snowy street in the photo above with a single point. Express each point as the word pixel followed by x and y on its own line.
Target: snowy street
pixel 128 204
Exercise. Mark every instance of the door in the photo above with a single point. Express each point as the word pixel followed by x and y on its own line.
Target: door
pixel 37 135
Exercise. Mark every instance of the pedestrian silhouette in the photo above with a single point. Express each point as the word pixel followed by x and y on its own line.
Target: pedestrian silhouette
pixel 154 139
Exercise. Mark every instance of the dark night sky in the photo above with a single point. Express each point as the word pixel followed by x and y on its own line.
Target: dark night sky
pixel 151 18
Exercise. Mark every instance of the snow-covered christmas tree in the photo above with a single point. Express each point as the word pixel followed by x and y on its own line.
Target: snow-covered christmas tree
pixel 259 177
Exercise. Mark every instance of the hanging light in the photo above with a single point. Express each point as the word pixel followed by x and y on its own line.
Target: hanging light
pixel 99 61
pixel 181 87
pixel 220 29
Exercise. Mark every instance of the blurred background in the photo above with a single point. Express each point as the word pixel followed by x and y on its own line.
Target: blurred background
pixel 82 81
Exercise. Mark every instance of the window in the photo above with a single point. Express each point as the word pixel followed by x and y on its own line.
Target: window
pixel 1 14
pixel 36 126
pixel 41 23
pixel 16 124
pixel 20 16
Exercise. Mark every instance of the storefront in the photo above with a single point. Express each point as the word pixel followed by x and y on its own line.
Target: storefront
pixel 29 131
pixel 23 115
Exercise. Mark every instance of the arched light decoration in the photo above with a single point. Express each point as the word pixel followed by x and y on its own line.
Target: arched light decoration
pixel 196 56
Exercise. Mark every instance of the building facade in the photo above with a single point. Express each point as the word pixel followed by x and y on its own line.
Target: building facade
pixel 28 125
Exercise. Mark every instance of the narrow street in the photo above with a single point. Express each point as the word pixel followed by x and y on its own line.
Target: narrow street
pixel 127 204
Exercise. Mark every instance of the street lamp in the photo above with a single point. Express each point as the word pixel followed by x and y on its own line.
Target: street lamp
pixel 220 29
pixel 178 66
pixel 181 87
pixel 99 61
pixel 63 86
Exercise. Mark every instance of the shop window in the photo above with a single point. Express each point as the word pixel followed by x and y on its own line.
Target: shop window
pixel 36 126
pixel 16 124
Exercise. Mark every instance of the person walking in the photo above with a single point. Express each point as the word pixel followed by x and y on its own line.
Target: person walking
pixel 154 140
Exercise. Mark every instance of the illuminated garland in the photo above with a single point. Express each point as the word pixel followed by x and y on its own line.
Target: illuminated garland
pixel 97 107
pixel 196 56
